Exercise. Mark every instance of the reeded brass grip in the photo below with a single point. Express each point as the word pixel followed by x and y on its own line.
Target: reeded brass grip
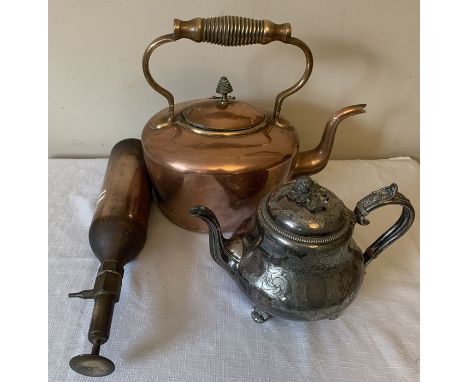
pixel 231 30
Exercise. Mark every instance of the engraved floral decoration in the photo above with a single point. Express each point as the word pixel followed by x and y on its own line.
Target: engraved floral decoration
pixel 309 194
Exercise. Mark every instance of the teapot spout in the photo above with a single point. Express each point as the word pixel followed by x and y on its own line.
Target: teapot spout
pixel 218 244
pixel 315 160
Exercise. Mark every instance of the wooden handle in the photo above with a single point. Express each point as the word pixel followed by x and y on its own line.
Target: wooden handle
pixel 231 30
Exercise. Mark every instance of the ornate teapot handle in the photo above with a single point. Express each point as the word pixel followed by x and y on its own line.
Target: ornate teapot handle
pixel 377 199
pixel 228 31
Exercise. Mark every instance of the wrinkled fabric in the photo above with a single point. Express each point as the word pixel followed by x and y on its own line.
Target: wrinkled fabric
pixel 181 318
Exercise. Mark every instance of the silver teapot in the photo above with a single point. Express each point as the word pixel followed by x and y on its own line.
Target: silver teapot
pixel 299 260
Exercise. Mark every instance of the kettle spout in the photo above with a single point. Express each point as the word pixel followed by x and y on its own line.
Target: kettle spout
pixel 218 244
pixel 315 160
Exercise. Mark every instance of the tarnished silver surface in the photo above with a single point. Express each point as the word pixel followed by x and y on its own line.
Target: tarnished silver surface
pixel 314 269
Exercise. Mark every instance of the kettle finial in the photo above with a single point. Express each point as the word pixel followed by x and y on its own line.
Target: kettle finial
pixel 224 88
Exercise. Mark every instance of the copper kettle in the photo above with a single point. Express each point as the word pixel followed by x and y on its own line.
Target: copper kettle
pixel 221 152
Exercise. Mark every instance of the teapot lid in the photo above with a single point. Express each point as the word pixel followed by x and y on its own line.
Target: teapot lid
pixel 307 212
pixel 222 114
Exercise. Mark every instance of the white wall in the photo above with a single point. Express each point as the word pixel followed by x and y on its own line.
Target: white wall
pixel 365 51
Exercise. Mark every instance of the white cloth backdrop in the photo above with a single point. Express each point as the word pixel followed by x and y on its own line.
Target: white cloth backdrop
pixel 181 318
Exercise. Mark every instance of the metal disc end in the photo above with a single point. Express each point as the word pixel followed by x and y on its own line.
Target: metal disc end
pixel 92 365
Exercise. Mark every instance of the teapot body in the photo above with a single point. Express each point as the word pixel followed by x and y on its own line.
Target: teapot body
pixel 300 282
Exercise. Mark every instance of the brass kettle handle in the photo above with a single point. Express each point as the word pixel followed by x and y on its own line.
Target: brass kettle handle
pixel 228 31
pixel 377 199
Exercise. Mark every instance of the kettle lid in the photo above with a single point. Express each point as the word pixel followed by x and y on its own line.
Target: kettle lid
pixel 305 210
pixel 223 114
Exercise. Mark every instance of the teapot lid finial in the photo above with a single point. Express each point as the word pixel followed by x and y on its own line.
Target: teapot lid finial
pixel 306 194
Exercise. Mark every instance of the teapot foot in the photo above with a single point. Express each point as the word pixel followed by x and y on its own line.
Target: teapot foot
pixel 259 316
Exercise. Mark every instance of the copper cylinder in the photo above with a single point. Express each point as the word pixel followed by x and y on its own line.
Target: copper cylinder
pixel 118 228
